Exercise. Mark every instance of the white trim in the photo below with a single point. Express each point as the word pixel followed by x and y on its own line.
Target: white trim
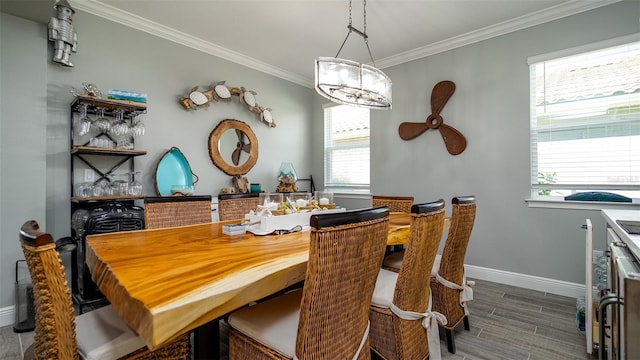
pixel 553 13
pixel 151 27
pixel 581 205
pixel 552 286
pixel 111 13
pixel 7 316
pixel 350 195
pixel 599 45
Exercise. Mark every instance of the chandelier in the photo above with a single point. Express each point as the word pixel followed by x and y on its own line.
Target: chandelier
pixel 351 83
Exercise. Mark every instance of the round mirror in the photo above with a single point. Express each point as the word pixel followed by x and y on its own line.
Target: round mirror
pixel 233 147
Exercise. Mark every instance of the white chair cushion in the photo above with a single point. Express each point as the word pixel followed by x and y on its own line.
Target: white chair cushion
pixel 394 260
pixel 102 335
pixel 385 287
pixel 273 323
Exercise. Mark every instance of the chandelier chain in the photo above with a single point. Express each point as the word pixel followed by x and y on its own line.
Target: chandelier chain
pixel 361 33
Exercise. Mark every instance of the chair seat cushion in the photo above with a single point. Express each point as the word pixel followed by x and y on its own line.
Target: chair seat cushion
pixel 385 287
pixel 273 323
pixel 103 335
pixel 395 261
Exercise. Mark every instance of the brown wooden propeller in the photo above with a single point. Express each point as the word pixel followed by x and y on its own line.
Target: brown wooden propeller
pixel 240 146
pixel 453 139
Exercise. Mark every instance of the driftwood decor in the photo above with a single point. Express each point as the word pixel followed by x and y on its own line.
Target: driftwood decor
pixel 217 91
pixel 247 142
pixel 453 139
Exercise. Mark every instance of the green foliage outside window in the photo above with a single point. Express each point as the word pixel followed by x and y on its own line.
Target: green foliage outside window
pixel 546 178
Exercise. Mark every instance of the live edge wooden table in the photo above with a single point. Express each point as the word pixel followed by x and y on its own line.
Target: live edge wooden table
pixel 166 282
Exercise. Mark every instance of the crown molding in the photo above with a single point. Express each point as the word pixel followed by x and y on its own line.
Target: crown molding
pixel 111 13
pixel 540 17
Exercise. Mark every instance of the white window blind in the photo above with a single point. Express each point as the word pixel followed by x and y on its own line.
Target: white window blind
pixel 585 122
pixel 346 148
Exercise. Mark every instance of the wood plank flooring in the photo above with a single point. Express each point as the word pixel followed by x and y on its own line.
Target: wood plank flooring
pixel 506 323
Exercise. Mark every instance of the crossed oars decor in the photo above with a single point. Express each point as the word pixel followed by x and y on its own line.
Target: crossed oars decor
pixel 195 99
pixel 453 139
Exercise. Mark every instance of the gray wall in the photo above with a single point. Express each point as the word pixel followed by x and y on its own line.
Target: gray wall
pixel 23 139
pixel 35 118
pixel 491 108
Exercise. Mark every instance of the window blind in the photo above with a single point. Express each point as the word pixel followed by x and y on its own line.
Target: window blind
pixel 346 147
pixel 585 121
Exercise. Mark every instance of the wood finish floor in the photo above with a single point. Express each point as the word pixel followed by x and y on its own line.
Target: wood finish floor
pixel 506 323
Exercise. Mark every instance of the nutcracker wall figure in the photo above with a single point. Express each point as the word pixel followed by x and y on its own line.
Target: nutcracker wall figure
pixel 62 34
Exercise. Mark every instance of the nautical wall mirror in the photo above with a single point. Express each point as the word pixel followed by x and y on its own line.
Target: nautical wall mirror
pixel 233 147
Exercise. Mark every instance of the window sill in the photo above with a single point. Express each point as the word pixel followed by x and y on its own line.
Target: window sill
pixel 580 205
pixel 350 193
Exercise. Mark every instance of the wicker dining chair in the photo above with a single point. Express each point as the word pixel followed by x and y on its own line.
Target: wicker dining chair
pixel 235 206
pixel 329 317
pixel 394 203
pixel 450 288
pixel 168 211
pixel 394 333
pixel 99 334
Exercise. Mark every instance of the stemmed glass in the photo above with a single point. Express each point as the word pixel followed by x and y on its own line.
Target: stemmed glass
pixel 102 123
pixel 119 127
pixel 135 186
pixel 137 127
pixel 84 123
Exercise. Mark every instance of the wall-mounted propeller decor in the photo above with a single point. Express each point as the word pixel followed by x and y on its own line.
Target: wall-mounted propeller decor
pixel 453 139
pixel 240 146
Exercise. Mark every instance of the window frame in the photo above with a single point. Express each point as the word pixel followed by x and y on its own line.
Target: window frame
pixel 330 184
pixel 548 201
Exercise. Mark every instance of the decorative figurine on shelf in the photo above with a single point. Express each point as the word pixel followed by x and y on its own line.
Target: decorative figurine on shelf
pixel 241 184
pixel 287 177
pixel 62 34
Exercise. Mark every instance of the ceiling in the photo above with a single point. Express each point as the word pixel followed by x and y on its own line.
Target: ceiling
pixel 283 37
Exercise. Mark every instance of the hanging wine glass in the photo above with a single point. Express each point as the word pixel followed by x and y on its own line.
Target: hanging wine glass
pixel 84 123
pixel 119 128
pixel 137 127
pixel 102 123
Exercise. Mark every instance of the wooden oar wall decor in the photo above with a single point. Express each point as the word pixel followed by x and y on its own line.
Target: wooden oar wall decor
pixel 453 139
pixel 195 99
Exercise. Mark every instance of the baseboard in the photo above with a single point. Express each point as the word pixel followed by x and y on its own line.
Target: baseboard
pixel 552 286
pixel 6 316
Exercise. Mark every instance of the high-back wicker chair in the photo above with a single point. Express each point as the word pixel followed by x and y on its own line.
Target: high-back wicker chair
pixel 99 334
pixel 235 206
pixel 168 211
pixel 451 291
pixel 402 300
pixel 394 203
pixel 329 317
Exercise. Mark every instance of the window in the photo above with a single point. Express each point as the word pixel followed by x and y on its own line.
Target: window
pixel 585 121
pixel 346 148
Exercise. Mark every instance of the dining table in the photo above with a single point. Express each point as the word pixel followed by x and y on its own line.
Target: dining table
pixel 166 282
